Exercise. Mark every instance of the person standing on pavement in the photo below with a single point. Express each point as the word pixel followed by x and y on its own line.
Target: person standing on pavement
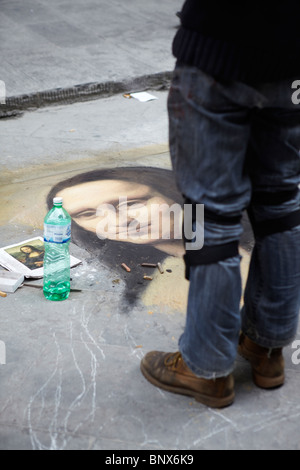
pixel 234 131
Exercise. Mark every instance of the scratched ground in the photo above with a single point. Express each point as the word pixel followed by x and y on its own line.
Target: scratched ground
pixel 72 378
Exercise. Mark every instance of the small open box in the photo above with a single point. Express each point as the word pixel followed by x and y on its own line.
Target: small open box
pixel 9 281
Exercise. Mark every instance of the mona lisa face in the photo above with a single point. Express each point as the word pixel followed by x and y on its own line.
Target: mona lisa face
pixel 26 249
pixel 122 210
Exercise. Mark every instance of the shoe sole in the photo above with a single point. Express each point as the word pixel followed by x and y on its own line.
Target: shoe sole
pixel 211 402
pixel 261 381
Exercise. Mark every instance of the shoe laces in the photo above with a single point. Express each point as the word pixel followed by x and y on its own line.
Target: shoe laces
pixel 172 359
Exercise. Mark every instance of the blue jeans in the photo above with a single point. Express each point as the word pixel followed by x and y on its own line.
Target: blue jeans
pixel 228 142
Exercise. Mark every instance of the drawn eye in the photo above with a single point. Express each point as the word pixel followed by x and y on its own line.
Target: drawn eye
pixel 88 213
pixel 130 203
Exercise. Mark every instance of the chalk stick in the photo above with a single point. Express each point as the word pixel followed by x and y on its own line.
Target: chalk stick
pixel 124 266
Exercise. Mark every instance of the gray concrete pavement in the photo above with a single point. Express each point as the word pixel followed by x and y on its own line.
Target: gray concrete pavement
pixel 63 49
pixel 83 131
pixel 71 377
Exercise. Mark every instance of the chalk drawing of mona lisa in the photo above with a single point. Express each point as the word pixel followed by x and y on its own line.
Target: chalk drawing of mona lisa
pixel 140 187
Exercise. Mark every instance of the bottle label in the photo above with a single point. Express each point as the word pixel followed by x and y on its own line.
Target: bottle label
pixel 57 233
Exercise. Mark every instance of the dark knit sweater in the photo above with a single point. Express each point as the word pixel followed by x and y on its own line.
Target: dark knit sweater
pixel 235 40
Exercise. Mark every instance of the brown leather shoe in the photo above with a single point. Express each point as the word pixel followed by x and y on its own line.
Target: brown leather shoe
pixel 267 364
pixel 169 372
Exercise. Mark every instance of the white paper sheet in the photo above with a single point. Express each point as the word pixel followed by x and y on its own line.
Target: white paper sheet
pixel 143 96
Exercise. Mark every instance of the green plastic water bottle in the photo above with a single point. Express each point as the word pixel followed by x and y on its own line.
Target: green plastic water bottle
pixel 57 236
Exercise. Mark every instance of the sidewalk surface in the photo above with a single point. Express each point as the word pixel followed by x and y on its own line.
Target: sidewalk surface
pixel 71 378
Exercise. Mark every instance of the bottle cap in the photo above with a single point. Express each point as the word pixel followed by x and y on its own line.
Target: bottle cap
pixel 57 200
